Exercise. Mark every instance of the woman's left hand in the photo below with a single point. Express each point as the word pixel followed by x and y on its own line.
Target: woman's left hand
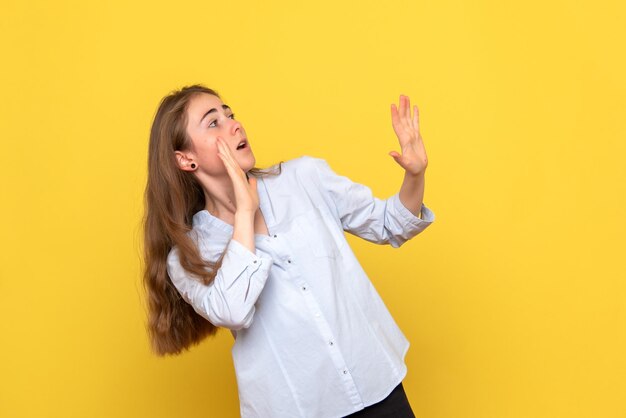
pixel 413 158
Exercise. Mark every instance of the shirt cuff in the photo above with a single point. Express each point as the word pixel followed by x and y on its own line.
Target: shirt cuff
pixel 427 216
pixel 248 257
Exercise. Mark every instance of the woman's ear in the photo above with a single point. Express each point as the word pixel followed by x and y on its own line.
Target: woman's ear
pixel 185 161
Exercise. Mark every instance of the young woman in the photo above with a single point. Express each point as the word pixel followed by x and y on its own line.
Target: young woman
pixel 263 254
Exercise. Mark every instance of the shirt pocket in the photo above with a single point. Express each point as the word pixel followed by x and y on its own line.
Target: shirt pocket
pixel 315 232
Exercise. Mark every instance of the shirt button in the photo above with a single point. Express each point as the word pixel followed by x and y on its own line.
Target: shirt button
pixel 254 261
pixel 345 372
pixel 275 235
pixel 331 343
pixel 303 287
pixel 289 261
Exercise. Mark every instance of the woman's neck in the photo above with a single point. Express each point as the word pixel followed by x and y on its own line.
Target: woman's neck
pixel 219 197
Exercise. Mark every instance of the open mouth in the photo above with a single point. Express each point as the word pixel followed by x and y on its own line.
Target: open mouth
pixel 242 145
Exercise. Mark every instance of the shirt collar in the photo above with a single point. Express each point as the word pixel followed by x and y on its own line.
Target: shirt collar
pixel 204 221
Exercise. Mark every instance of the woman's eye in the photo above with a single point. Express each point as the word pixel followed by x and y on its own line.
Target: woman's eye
pixel 214 123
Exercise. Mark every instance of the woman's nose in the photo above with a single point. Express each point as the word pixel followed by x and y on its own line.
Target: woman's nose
pixel 236 126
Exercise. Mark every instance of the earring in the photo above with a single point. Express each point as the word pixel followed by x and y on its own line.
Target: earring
pixel 193 165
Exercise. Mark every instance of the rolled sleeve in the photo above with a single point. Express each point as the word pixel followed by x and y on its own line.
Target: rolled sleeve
pixel 229 300
pixel 382 221
pixel 406 224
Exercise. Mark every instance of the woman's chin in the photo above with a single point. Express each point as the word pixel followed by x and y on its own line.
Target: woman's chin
pixel 247 162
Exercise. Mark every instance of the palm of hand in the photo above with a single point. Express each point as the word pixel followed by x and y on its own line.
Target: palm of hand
pixel 413 158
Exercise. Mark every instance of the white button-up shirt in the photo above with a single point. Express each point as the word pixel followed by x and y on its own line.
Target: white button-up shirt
pixel 312 336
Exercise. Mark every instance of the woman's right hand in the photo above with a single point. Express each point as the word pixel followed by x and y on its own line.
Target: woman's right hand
pixel 246 196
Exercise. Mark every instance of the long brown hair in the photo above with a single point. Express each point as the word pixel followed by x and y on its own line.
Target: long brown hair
pixel 172 197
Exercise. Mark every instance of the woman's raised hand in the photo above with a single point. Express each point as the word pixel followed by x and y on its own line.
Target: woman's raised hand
pixel 245 190
pixel 413 158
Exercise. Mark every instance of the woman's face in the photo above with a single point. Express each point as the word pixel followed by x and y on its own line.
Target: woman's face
pixel 207 119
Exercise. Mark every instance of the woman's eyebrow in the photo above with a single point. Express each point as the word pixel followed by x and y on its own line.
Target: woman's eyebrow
pixel 225 107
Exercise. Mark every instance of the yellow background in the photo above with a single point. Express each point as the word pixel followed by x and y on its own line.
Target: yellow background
pixel 514 300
